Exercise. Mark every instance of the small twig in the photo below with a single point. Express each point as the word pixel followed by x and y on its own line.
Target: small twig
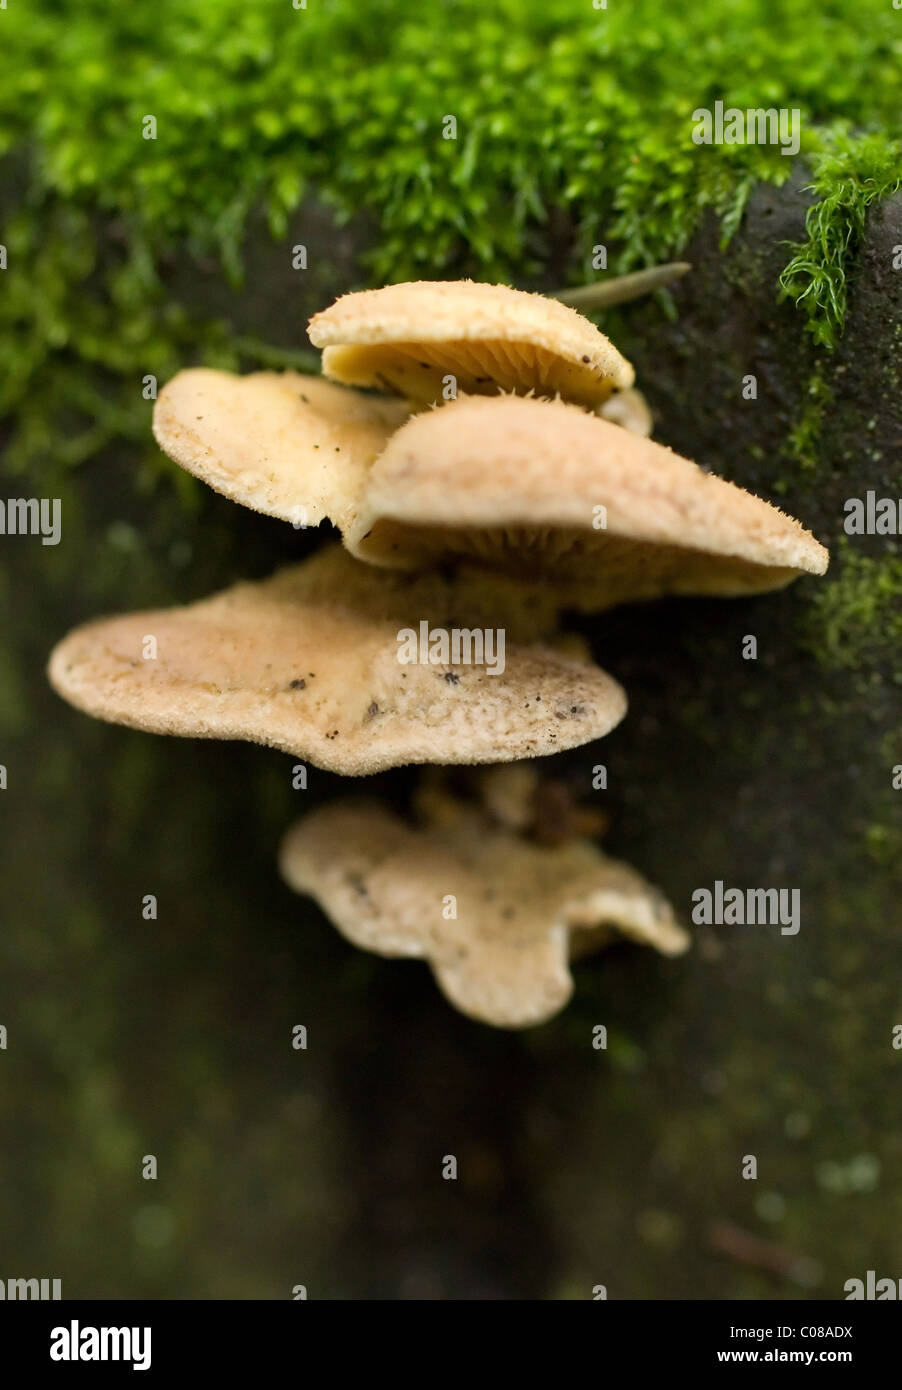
pixel 748 1249
pixel 621 288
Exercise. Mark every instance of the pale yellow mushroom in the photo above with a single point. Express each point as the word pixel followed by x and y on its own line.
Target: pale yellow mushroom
pixel 425 338
pixel 496 916
pixel 308 662
pixel 292 446
pixel 629 409
pixel 545 489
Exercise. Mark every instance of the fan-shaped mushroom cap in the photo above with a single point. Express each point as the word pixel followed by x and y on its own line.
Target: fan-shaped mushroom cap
pixel 292 446
pixel 503 958
pixel 308 661
pixel 543 488
pixel 407 338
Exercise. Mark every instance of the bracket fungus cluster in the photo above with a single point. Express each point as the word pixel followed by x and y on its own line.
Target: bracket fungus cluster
pixel 484 456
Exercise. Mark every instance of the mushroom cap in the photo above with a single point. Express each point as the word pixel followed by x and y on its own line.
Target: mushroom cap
pixel 630 410
pixel 521 485
pixel 307 661
pixel 408 337
pixel 504 959
pixel 292 446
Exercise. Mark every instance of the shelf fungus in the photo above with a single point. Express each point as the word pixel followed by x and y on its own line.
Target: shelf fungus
pixel 497 916
pixel 415 338
pixel 530 487
pixel 603 515
pixel 302 448
pixel 318 661
pixel 292 446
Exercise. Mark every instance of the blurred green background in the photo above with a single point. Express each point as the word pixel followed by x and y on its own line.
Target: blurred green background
pixel 129 257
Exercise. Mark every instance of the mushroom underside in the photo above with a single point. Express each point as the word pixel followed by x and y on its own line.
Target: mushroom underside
pixel 591 569
pixel 419 371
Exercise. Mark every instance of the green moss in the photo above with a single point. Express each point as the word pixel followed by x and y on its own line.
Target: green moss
pixel 884 844
pixel 804 438
pixel 849 175
pixel 568 117
pixel 855 622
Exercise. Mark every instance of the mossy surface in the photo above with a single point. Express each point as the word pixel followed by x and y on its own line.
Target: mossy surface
pixel 574 129
pixel 850 175
pixel 858 618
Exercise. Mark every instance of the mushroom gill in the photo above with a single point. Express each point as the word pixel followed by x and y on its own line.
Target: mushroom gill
pixel 410 338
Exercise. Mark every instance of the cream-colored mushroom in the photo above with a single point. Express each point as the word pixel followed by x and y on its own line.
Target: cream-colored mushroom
pixel 629 409
pixel 309 661
pixel 496 916
pixel 292 446
pixel 545 489
pixel 414 338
